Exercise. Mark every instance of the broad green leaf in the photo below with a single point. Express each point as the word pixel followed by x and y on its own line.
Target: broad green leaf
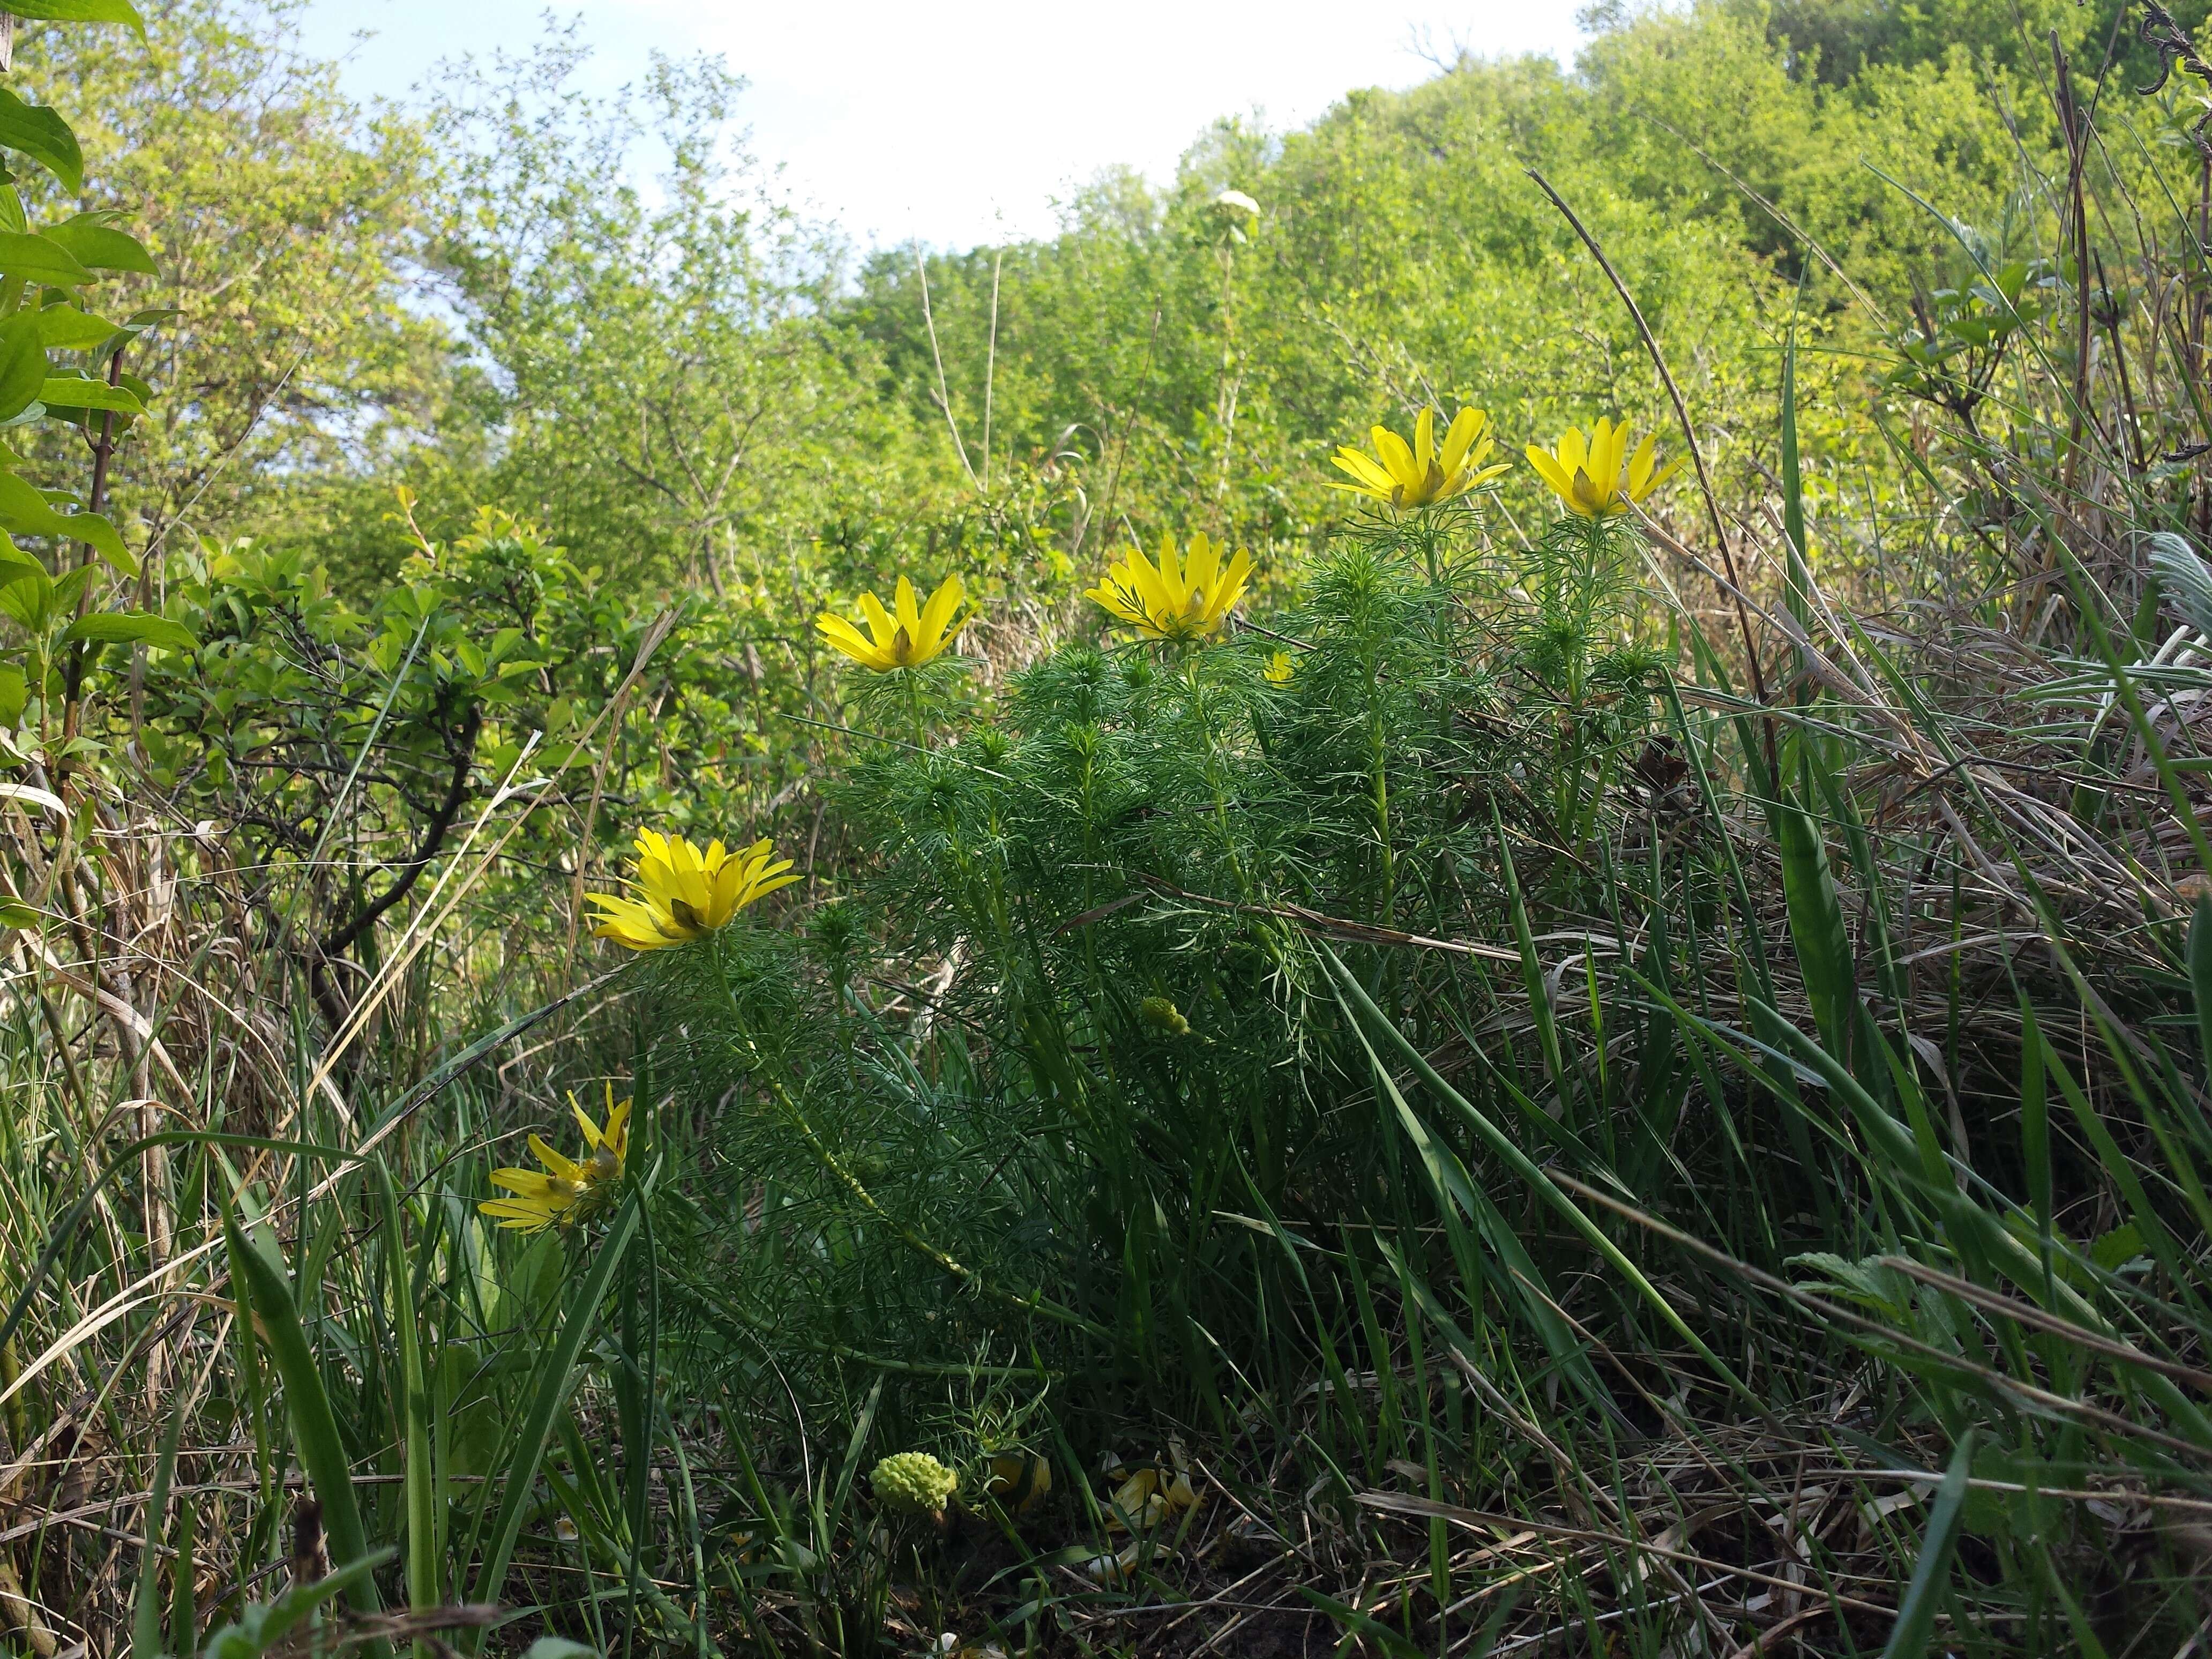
pixel 15 692
pixel 39 132
pixel 130 628
pixel 25 511
pixel 98 246
pixel 26 593
pixel 12 557
pixel 2115 1249
pixel 23 363
pixel 68 588
pixel 36 259
pixel 66 328
pixel 75 391
pixel 84 11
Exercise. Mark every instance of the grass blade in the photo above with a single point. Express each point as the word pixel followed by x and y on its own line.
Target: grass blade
pixel 314 1428
pixel 536 1428
pixel 423 1590
pixel 1916 1614
pixel 146 1625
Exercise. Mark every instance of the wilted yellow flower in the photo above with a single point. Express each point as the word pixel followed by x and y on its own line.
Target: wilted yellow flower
pixel 1149 1496
pixel 1589 475
pixel 1179 599
pixel 1280 666
pixel 1421 475
pixel 1019 1479
pixel 683 893
pixel 568 1191
pixel 906 636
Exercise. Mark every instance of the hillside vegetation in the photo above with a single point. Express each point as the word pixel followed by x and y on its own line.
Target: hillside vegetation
pixel 1446 892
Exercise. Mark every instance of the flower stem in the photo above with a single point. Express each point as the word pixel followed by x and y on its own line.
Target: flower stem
pixel 913 706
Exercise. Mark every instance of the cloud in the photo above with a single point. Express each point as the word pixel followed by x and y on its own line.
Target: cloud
pixel 960 123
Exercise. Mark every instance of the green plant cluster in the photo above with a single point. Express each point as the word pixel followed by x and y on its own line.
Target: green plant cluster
pixel 1637 1073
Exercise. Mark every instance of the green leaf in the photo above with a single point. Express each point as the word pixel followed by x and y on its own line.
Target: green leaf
pixel 84 11
pixel 39 132
pixel 66 328
pixel 26 593
pixel 23 363
pixel 98 246
pixel 146 1624
pixel 25 511
pixel 1369 1014
pixel 15 692
pixel 1816 925
pixel 315 1427
pixel 554 1377
pixel 130 628
pixel 75 391
pixel 37 260
pixel 265 1623
pixel 2200 972
pixel 422 1586
pixel 1798 588
pixel 16 914
pixel 1916 1615
pixel 2115 1249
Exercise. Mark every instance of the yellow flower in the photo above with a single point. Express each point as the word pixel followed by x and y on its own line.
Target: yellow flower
pixel 568 1191
pixel 1421 475
pixel 1590 475
pixel 905 637
pixel 1280 668
pixel 684 893
pixel 1177 600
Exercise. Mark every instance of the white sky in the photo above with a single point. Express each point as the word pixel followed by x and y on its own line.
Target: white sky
pixel 959 122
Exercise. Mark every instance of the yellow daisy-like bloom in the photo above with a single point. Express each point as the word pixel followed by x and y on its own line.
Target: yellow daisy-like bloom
pixel 1177 599
pixel 1280 666
pixel 684 893
pixel 568 1191
pixel 1420 474
pixel 906 636
pixel 1596 476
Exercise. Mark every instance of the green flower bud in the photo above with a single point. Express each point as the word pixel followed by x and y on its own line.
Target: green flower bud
pixel 1163 1017
pixel 913 1483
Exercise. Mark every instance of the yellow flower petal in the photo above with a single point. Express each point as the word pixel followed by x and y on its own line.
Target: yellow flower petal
pixel 1367 475
pixel 1397 457
pixel 849 639
pixel 878 620
pixel 1467 426
pixel 1561 480
pixel 938 614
